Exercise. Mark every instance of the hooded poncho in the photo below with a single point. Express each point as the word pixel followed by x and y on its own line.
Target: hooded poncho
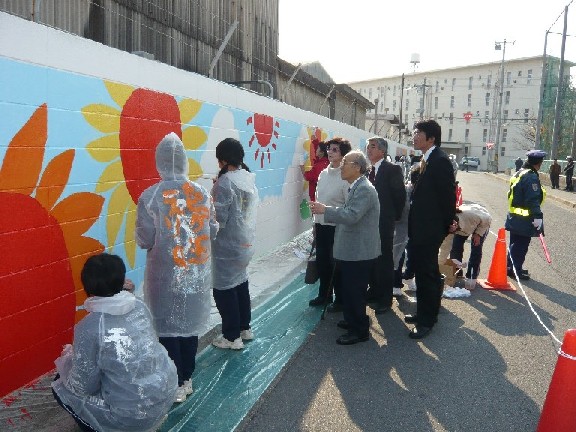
pixel 235 199
pixel 117 376
pixel 175 222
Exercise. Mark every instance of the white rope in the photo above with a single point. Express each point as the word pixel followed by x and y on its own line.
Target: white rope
pixel 552 335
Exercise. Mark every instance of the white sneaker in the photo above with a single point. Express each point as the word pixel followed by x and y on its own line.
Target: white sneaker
pixel 180 395
pixel 411 284
pixel 188 387
pixel 397 292
pixel 222 342
pixel 246 335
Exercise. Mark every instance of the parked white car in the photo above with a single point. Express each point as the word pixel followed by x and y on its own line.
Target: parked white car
pixel 472 162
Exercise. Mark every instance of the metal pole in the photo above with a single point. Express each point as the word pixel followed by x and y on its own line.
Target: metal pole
pixel 559 93
pixel 290 81
pixel 222 46
pixel 537 143
pixel 376 117
pixel 499 118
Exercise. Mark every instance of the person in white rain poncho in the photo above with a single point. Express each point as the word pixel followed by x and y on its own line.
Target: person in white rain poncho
pixel 175 221
pixel 235 198
pixel 116 376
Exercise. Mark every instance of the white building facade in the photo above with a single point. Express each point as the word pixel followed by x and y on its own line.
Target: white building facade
pixel 465 101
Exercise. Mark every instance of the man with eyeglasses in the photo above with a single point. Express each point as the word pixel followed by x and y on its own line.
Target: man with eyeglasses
pixel 356 244
pixel 388 180
pixel 431 218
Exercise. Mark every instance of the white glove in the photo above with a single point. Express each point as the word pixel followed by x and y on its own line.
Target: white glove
pixel 537 223
pixel 303 158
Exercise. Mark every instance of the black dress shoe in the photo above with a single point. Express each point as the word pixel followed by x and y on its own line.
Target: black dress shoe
pixel 351 339
pixel 343 324
pixel 318 301
pixel 521 275
pixel 419 332
pixel 334 307
pixel 379 308
pixel 411 319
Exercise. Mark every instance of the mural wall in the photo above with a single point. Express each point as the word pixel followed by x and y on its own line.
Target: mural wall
pixel 80 123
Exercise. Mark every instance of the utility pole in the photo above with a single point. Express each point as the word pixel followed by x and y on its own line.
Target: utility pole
pixel 537 143
pixel 559 93
pixel 376 117
pixel 400 124
pixel 422 101
pixel 498 46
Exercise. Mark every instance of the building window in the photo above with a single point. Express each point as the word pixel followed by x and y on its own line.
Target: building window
pixel 504 135
pixel 453 83
pixel 394 106
pixel 407 103
pixel 370 93
pixel 437 86
pixel 502 151
pixel 487 99
pixel 466 150
pixel 436 102
pixel 451 101
pixel 505 115
pixel 394 91
pixel 451 118
pixel 486 116
pixel 470 83
pixel 529 79
pixel 484 151
pixel 485 135
pixel 469 100
pixel 508 78
pixel 466 135
pixel 519 74
pixel 526 113
pixel 507 98
pixel 449 134
pixel 489 81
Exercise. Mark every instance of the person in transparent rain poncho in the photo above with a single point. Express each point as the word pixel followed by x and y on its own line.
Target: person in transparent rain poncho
pixel 235 198
pixel 175 221
pixel 116 376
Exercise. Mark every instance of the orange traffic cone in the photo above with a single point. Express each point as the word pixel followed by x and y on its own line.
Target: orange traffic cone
pixel 498 274
pixel 559 411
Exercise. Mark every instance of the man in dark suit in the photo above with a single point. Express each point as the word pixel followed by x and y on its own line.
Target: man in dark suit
pixel 432 216
pixel 388 180
pixel 356 244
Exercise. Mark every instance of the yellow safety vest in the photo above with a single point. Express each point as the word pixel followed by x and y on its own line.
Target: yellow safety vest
pixel 513 182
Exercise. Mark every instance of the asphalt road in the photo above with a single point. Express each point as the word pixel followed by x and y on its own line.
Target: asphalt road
pixel 486 366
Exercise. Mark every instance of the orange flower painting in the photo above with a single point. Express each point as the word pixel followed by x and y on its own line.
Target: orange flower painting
pixel 42 250
pixel 131 131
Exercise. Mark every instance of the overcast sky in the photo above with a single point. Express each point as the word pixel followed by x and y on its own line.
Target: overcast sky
pixel 363 39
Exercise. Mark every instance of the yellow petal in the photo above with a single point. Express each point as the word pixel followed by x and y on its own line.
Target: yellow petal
pixel 117 205
pixel 129 234
pixel 102 117
pixel 193 137
pixel 105 149
pixel 119 92
pixel 194 169
pixel 188 109
pixel 112 176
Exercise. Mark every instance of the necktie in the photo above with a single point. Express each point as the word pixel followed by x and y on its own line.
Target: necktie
pixel 422 166
pixel 372 175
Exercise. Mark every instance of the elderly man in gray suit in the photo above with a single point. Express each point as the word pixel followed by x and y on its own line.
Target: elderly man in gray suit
pixel 356 244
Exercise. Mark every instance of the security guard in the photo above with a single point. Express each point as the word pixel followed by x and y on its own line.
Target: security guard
pixel 524 219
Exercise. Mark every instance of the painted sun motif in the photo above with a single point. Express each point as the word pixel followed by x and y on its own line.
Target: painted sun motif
pixel 43 249
pixel 132 129
pixel 265 132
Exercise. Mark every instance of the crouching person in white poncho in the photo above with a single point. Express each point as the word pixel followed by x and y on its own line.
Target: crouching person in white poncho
pixel 116 376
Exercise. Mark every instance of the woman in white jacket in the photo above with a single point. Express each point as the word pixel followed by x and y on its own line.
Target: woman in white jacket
pixel 235 199
pixel 116 376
